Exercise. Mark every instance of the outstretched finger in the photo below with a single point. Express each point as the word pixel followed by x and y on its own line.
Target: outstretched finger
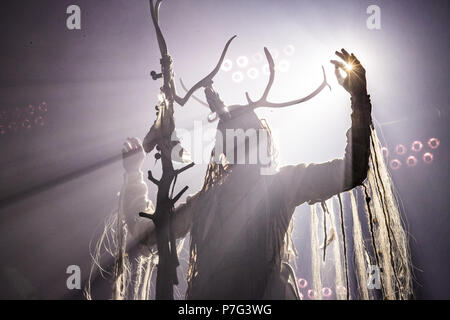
pixel 346 55
pixel 135 143
pixel 355 59
pixel 339 64
pixel 127 146
pixel 340 55
pixel 337 72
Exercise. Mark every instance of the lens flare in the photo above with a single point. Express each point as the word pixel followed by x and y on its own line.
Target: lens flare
pixel 428 158
pixel 237 77
pixel 326 292
pixel 395 164
pixel 302 283
pixel 242 61
pixel 227 64
pixel 411 161
pixel 257 57
pixel 283 65
pixel 252 73
pixel 400 149
pixel 289 50
pixel 434 143
pixel 311 294
pixel 416 146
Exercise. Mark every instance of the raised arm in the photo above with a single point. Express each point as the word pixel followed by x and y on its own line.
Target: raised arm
pixel 134 193
pixel 317 182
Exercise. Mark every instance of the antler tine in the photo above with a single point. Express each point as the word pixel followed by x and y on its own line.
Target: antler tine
pixel 293 102
pixel 206 80
pixel 154 10
pixel 193 95
pixel 263 99
pixel 262 102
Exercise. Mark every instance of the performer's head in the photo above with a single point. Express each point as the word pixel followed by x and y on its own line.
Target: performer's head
pixel 243 139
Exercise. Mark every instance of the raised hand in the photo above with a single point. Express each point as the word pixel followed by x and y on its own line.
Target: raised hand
pixel 132 155
pixel 355 81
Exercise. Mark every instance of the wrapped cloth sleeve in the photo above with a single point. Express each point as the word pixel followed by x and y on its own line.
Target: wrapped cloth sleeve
pixel 318 182
pixel 134 199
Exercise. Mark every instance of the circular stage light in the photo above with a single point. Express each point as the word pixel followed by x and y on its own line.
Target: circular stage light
pixel 400 149
pixel 39 121
pixel 242 61
pixel 302 283
pixel 311 294
pixel 326 292
pixel 434 143
pixel 428 158
pixel 257 57
pixel 237 76
pixel 26 124
pixel 395 164
pixel 284 65
pixel 416 146
pixel 289 50
pixel 252 73
pixel 42 107
pixel 385 152
pixel 227 64
pixel 411 161
pixel 341 290
pixel 31 109
pixel 2 130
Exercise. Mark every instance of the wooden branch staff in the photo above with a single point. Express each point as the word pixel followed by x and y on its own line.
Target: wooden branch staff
pixel 160 136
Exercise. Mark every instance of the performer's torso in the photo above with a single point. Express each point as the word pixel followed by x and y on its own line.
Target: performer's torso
pixel 240 236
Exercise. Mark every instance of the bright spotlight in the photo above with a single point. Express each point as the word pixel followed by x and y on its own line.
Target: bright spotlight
pixel 311 294
pixel 400 149
pixel 252 73
pixel 227 65
pixel 411 161
pixel 416 146
pixel 257 57
pixel 289 50
pixel 428 158
pixel 326 292
pixel 395 164
pixel 284 65
pixel 237 77
pixel 242 61
pixel 433 143
pixel 302 283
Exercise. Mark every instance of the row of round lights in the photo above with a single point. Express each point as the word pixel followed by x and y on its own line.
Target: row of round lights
pixel 311 294
pixel 22 118
pixel 253 72
pixel 416 147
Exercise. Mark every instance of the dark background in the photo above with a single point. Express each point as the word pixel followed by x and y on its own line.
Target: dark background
pixel 59 181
